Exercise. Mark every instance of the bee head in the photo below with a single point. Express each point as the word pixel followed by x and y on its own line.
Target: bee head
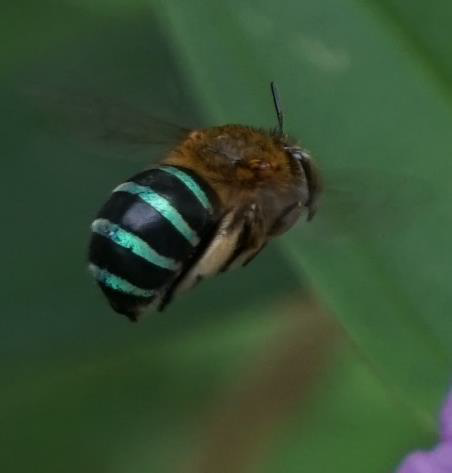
pixel 299 156
pixel 311 175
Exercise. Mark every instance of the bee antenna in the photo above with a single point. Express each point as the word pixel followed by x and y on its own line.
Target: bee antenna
pixel 277 103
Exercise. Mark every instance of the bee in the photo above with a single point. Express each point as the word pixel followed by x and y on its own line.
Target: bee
pixel 212 203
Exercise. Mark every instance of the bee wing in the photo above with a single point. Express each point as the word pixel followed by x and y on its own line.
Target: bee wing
pixel 104 124
pixel 378 201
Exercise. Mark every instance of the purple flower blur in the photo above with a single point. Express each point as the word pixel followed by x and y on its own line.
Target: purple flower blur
pixel 438 460
pixel 446 421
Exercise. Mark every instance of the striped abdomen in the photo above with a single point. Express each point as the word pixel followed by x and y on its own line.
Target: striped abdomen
pixel 146 234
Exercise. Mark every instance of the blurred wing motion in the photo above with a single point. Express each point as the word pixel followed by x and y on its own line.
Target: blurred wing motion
pixel 376 202
pixel 101 123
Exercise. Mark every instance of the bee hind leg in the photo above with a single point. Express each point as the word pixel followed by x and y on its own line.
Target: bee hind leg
pixel 250 241
pixel 253 255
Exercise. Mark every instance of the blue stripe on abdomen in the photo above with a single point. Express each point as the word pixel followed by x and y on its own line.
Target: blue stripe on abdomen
pixel 191 184
pixel 135 244
pixel 112 281
pixel 163 206
pixel 147 232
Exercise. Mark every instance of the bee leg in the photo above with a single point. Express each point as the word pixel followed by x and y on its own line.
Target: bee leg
pixel 252 256
pixel 235 237
pixel 250 242
pixel 171 290
pixel 241 246
pixel 286 219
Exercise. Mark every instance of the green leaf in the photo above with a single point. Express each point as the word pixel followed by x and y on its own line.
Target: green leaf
pixel 365 85
pixel 359 95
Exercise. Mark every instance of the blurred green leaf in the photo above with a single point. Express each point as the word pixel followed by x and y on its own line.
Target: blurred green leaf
pixel 365 85
pixel 358 95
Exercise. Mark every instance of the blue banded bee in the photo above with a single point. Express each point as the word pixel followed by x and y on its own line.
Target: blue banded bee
pixel 212 203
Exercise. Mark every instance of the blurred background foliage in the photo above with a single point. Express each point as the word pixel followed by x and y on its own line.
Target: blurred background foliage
pixel 332 351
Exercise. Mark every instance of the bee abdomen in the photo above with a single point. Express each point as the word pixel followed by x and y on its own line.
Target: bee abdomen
pixel 146 232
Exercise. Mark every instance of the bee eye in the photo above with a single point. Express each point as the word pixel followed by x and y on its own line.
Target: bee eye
pixel 297 153
pixel 305 156
pixel 302 155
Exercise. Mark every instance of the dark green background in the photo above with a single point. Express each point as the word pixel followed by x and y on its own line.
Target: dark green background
pixel 367 86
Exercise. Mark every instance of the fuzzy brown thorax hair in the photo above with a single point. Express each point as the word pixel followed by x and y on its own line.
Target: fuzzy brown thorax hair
pixel 244 158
